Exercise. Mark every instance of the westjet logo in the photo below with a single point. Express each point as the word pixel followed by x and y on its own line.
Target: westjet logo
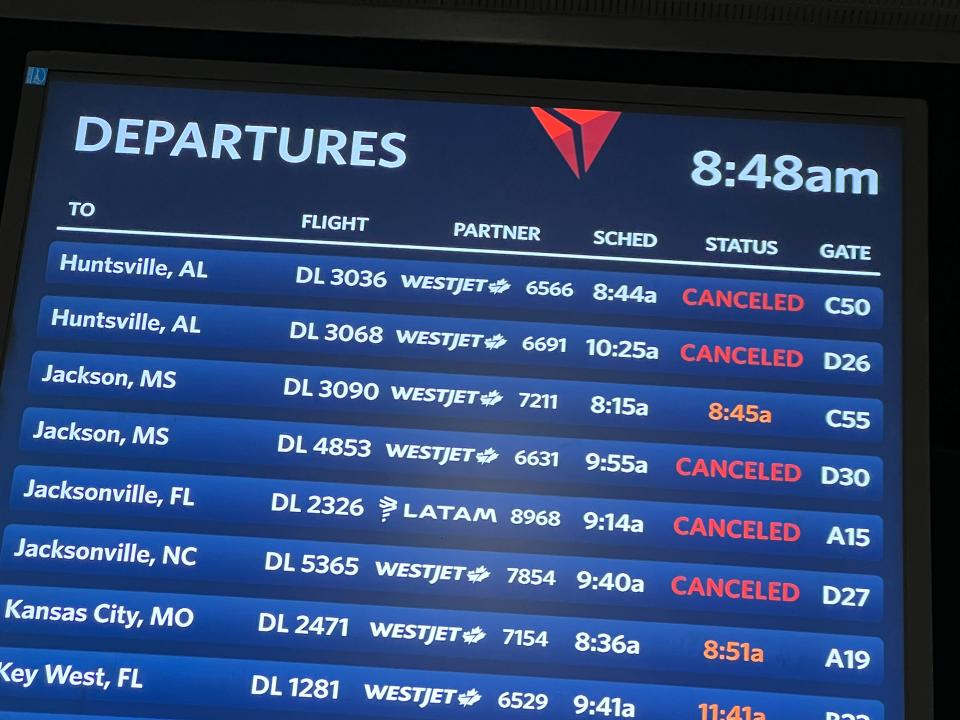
pixel 577 134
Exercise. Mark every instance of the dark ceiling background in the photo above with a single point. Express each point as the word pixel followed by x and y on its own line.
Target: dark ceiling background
pixel 910 30
pixel 898 14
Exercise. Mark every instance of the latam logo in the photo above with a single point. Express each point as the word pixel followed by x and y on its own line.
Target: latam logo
pixel 577 134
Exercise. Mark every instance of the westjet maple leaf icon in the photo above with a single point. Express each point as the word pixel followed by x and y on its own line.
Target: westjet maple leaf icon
pixel 577 134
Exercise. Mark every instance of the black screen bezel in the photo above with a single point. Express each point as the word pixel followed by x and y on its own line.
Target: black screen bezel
pixel 909 115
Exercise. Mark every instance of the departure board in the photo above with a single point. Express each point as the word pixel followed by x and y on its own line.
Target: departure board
pixel 389 400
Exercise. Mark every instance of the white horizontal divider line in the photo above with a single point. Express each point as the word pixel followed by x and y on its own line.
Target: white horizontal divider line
pixel 463 250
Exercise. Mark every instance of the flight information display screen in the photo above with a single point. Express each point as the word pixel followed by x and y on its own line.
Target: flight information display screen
pixel 398 403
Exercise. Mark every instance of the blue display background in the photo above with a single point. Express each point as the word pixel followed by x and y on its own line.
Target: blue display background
pixel 477 163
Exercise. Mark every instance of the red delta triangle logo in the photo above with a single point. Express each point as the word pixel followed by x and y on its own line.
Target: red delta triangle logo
pixel 577 134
